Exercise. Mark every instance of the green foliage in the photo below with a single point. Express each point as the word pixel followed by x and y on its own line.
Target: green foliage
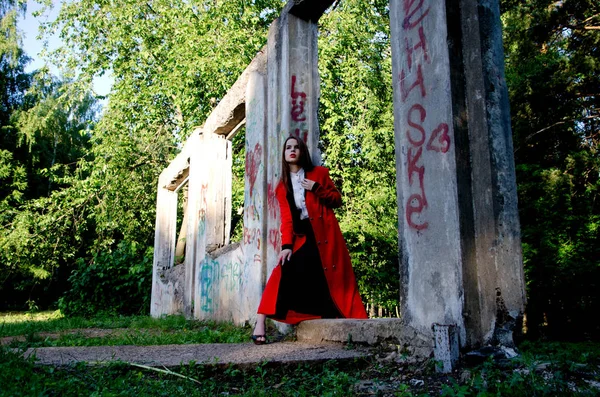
pixel 117 281
pixel 356 119
pixel 238 169
pixel 553 76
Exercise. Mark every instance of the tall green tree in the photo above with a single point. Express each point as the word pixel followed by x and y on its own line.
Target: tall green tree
pixel 36 237
pixel 171 61
pixel 356 121
pixel 553 72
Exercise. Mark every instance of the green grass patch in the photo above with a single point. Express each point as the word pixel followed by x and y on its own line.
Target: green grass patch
pixel 21 377
pixel 53 329
pixel 536 372
pixel 543 368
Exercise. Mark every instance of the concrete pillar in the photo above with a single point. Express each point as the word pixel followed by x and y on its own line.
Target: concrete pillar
pixel 255 240
pixel 494 281
pixel 429 232
pixel 163 299
pixel 460 257
pixel 293 97
pixel 209 202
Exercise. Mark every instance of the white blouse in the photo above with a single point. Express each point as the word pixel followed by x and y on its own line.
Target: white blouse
pixel 299 197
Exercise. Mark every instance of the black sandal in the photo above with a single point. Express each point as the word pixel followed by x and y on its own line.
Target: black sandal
pixel 257 341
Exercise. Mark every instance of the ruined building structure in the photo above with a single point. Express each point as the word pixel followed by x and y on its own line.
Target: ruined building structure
pixel 460 263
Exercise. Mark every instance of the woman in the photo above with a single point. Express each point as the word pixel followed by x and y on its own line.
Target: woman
pixel 313 277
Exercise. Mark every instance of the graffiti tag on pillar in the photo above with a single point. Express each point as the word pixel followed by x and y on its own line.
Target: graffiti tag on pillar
pixel 252 236
pixel 202 210
pixel 412 91
pixel 274 238
pixel 253 161
pixel 298 101
pixel 214 276
pixel 272 204
pixel 206 286
pixel 298 111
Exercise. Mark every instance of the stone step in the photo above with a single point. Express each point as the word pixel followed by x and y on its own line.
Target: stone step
pixel 372 332
pixel 200 354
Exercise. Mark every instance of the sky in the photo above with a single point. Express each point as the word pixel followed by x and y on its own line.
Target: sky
pixel 29 26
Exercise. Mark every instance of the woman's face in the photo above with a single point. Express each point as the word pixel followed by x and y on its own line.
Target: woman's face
pixel 292 151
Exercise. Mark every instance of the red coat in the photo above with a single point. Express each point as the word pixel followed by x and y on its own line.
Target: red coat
pixel 330 242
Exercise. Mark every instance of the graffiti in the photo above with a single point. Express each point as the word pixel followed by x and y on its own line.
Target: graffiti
pixel 411 11
pixel 443 140
pixel 413 91
pixel 272 204
pixel 213 276
pixel 302 135
pixel 253 161
pixel 202 211
pixel 298 101
pixel 252 212
pixel 205 283
pixel 251 236
pixel 297 112
pixel 231 275
pixel 274 238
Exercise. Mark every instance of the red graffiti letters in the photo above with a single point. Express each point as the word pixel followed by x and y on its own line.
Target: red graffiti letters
pixel 298 101
pixel 417 83
pixel 253 161
pixel 411 10
pixel 274 238
pixel 443 139
pixel 252 236
pixel 414 90
pixel 272 204
pixel 422 44
pixel 302 135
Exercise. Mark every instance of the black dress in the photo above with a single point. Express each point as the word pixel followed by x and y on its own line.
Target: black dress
pixel 303 287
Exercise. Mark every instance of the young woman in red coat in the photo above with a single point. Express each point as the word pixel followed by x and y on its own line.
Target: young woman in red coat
pixel 313 277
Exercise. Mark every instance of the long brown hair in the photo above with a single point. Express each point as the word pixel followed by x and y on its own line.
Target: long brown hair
pixel 304 161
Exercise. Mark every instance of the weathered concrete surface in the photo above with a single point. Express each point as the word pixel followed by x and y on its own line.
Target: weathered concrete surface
pixel 175 355
pixel 459 236
pixel 371 332
pixel 231 109
pixel 494 287
pixel 276 95
pixel 428 232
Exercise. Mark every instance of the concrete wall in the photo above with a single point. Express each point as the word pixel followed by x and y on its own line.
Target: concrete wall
pixel 278 95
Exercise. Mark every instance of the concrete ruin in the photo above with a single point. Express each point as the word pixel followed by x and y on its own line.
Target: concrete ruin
pixel 461 270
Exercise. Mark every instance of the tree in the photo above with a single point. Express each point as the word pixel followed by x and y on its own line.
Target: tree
pixel 553 75
pixel 36 235
pixel 171 61
pixel 356 119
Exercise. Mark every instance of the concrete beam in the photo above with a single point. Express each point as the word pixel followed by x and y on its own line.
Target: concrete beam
pixel 310 10
pixel 231 109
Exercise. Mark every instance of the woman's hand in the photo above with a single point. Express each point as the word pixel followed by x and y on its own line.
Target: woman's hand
pixel 284 256
pixel 307 184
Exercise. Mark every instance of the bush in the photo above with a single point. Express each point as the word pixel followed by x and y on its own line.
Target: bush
pixel 118 282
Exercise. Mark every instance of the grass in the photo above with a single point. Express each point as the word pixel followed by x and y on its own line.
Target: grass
pixel 543 369
pixel 20 377
pixel 116 330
